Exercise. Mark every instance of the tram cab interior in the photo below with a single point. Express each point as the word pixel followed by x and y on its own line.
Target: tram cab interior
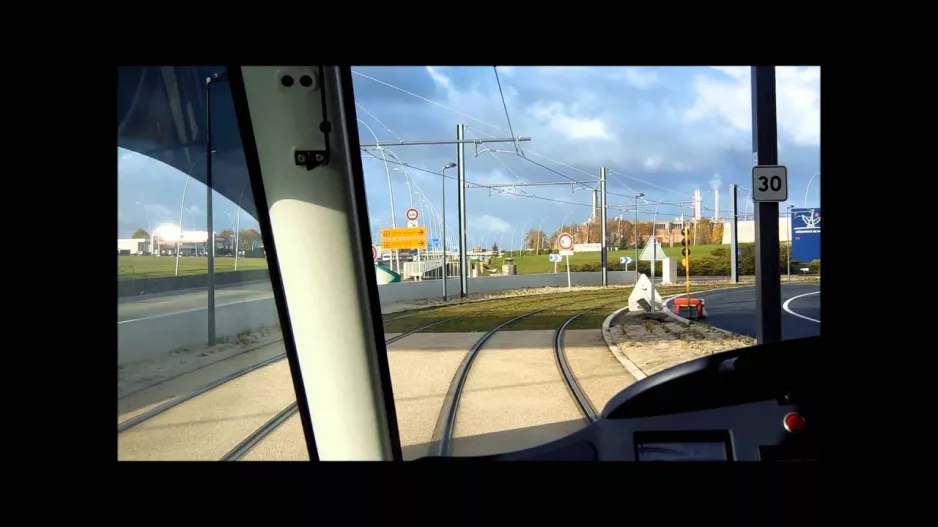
pixel 300 144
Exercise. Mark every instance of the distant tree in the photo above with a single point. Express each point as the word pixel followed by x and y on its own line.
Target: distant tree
pixel 250 239
pixel 495 249
pixel 140 233
pixel 532 237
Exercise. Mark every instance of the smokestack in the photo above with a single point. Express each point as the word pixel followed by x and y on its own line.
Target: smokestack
pixel 697 204
pixel 596 211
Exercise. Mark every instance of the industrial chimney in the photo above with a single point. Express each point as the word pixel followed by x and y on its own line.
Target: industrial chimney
pixel 596 212
pixel 697 205
pixel 716 205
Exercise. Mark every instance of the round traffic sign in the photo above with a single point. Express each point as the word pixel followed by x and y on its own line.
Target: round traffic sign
pixel 374 253
pixel 565 241
pixel 412 214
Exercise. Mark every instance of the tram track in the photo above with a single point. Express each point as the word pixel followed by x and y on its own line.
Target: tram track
pixel 245 446
pixel 255 438
pixel 125 425
pixel 259 434
pixel 443 436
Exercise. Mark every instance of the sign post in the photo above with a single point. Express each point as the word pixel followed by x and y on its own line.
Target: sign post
pixel 565 242
pixel 626 261
pixel 555 258
pixel 650 253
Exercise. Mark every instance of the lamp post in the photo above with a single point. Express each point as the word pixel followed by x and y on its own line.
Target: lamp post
pixel 443 217
pixel 637 234
pixel 149 228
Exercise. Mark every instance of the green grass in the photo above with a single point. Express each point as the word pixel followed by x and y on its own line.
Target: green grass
pixel 532 264
pixel 129 267
pixel 484 316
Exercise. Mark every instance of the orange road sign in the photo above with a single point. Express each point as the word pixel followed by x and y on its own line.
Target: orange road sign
pixel 404 232
pixel 406 243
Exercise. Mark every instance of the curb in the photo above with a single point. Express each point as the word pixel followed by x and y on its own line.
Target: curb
pixel 687 322
pixel 627 363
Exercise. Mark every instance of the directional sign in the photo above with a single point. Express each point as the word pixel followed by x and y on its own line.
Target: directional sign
pixel 375 253
pixel 769 183
pixel 625 260
pixel 404 232
pixel 412 243
pixel 554 258
pixel 412 214
pixel 565 241
pixel 433 243
pixel 412 223
pixel 649 252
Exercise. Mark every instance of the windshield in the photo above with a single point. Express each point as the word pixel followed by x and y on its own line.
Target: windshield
pixel 530 338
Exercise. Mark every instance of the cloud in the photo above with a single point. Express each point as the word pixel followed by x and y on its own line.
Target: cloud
pixel 726 100
pixel 640 78
pixel 486 222
pixel 664 132
pixel 716 181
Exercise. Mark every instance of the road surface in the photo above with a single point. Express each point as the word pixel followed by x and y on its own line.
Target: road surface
pixel 735 310
pixel 146 307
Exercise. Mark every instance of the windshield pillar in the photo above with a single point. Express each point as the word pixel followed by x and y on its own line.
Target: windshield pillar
pixel 315 219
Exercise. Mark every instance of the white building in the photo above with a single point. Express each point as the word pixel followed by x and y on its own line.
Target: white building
pixel 133 245
pixel 747 230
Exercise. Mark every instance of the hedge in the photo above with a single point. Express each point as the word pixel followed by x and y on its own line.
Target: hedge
pixel 716 263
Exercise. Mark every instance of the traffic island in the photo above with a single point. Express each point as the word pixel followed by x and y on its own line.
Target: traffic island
pixel 655 341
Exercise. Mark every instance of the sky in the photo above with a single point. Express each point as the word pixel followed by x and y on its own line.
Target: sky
pixel 661 131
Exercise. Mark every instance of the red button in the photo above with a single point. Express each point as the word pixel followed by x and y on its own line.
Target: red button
pixel 793 422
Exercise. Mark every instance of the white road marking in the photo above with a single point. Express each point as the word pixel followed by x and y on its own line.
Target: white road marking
pixel 790 312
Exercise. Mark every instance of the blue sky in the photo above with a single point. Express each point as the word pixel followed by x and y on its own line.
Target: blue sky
pixel 661 131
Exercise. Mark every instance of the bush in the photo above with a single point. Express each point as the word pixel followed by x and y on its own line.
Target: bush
pixel 714 263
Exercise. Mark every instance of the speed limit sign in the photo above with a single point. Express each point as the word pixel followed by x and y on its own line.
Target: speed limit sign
pixel 412 214
pixel 769 183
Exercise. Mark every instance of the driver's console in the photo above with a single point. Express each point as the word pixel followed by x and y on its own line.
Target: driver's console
pixel 761 403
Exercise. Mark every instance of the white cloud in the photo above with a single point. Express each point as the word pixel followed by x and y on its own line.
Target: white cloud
pixel 727 100
pixel 559 119
pixel 506 70
pixel 486 222
pixel 640 78
pixel 441 80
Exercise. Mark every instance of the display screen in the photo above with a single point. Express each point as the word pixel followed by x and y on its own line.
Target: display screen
pixel 683 445
pixel 682 452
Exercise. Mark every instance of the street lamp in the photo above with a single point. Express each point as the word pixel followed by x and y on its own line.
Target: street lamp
pixel 182 207
pixel 637 197
pixel 808 186
pixel 387 170
pixel 149 229
pixel 446 167
pixel 540 234
pixel 788 235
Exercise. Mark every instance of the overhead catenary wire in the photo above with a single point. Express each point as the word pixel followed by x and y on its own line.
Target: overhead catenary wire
pixel 505 106
pixel 613 173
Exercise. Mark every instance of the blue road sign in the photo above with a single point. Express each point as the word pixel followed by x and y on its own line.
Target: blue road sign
pixel 433 243
pixel 805 234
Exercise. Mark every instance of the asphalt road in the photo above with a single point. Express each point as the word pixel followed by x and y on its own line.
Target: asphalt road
pixel 735 310
pixel 145 307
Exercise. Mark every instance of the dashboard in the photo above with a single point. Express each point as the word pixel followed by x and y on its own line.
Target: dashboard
pixel 761 403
